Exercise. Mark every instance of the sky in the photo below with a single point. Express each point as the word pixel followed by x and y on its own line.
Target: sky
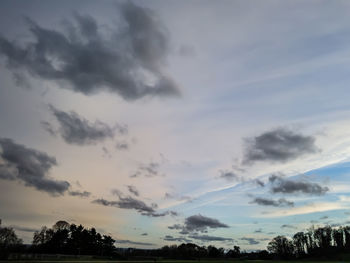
pixel 161 122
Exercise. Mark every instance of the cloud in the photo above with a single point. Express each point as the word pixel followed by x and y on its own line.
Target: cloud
pixel 80 194
pixel 49 128
pixel 250 240
pixel 128 59
pixel 144 234
pixel 126 241
pixel 23 228
pixel 176 226
pixel 129 202
pixel 202 223
pixel 147 170
pixel 270 202
pixel 75 129
pixel 279 145
pixel 122 146
pixel 176 239
pixel 285 186
pixel 207 238
pixel 288 226
pixel 17 162
pixel 230 176
pixel 132 189
pixel 306 209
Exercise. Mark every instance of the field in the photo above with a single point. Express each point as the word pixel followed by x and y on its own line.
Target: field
pixel 166 261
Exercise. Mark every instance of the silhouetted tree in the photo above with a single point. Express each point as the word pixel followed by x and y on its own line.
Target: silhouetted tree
pixel 281 247
pixel 300 241
pixel 8 241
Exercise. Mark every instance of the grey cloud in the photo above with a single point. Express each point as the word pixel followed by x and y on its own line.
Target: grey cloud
pixel 129 202
pixel 24 229
pixel 230 176
pixel 168 196
pixel 282 185
pixel 270 202
pixel 259 182
pixel 122 146
pixel 148 170
pixel 324 217
pixel 132 189
pixel 126 241
pixel 176 239
pixel 202 223
pixel 83 194
pixel 29 166
pixel 207 238
pixel 250 240
pixel 279 145
pixel 176 226
pixel 288 226
pixel 49 128
pixel 197 223
pixel 75 129
pixel 128 59
pixel 144 234
pixel 258 231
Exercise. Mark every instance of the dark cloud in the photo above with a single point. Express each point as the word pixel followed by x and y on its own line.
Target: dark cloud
pixel 176 226
pixel 128 60
pixel 202 223
pixel 23 228
pixel 270 202
pixel 207 238
pixel 185 198
pixel 148 170
pixel 132 189
pixel 75 129
pixel 279 145
pixel 83 194
pixel 176 239
pixel 259 182
pixel 128 202
pixel 197 223
pixel 17 162
pixel 324 217
pixel 282 185
pixel 168 196
pixel 250 240
pixel 288 226
pixel 126 241
pixel 49 128
pixel 258 231
pixel 144 234
pixel 230 176
pixel 122 146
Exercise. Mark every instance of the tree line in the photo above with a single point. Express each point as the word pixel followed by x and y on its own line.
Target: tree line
pixel 316 242
pixel 71 239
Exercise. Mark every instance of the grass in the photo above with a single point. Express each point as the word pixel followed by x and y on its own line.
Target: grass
pixel 167 261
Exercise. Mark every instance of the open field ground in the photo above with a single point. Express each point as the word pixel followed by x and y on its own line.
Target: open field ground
pixel 174 261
